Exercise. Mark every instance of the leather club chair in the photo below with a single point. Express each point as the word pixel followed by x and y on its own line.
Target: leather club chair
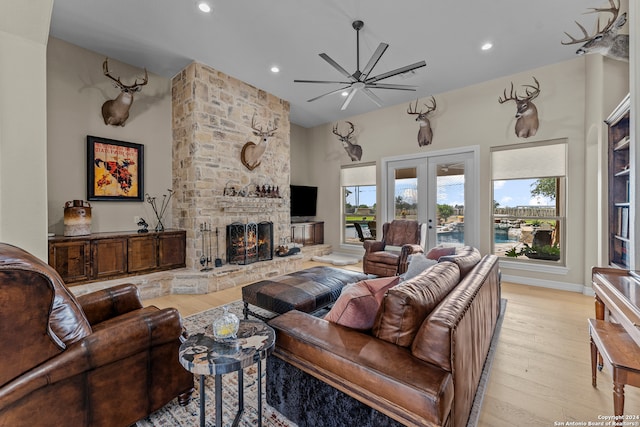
pixel 380 260
pixel 97 360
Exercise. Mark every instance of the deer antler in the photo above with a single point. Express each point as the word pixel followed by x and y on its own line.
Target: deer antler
pixel 536 90
pixel 335 131
pixel 415 111
pixel 129 88
pixel 259 131
pixel 613 10
pixel 513 95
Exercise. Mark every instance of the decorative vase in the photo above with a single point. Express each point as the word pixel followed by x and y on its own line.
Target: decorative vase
pixel 226 326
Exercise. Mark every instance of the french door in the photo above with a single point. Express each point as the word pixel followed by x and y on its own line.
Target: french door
pixel 437 189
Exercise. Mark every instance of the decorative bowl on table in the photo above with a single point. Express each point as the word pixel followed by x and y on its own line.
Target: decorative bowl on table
pixel 226 326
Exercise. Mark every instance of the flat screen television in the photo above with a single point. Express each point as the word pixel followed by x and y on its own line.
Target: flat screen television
pixel 303 200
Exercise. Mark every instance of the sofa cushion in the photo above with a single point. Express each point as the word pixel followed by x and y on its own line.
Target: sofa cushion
pixel 358 303
pixel 466 258
pixel 439 251
pixel 417 264
pixel 406 305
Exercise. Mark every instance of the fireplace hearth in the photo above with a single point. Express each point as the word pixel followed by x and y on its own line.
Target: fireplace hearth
pixel 249 243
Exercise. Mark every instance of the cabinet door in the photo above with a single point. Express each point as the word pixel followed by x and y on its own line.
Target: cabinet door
pixel 308 234
pixel 318 233
pixel 72 260
pixel 142 253
pixel 171 249
pixel 109 257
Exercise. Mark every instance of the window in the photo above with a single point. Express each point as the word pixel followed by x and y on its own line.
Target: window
pixel 358 185
pixel 528 188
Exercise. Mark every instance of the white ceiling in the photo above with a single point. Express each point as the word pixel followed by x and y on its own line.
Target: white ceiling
pixel 244 38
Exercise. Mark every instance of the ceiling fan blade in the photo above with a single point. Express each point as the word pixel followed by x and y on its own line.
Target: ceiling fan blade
pixel 374 60
pixel 395 72
pixel 321 81
pixel 346 102
pixel 372 96
pixel 335 65
pixel 390 86
pixel 329 93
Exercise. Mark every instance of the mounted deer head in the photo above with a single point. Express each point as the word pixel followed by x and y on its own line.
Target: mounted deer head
pixel 605 41
pixel 425 134
pixel 526 111
pixel 353 150
pixel 251 152
pixel 116 111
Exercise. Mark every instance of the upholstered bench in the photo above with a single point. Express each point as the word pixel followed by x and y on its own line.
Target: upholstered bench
pixel 308 290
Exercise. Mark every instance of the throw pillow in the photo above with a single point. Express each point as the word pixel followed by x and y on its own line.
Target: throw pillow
pixel 406 305
pixel 358 304
pixel 438 251
pixel 417 264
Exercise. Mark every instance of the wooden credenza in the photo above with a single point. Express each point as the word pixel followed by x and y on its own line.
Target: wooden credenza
pixel 104 256
pixel 307 233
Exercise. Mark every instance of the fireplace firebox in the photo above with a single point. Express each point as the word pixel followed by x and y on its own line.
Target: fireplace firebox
pixel 249 243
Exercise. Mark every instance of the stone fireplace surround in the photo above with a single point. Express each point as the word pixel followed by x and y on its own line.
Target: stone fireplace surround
pixel 211 122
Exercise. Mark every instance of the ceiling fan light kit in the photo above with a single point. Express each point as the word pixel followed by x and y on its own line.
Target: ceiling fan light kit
pixel 360 81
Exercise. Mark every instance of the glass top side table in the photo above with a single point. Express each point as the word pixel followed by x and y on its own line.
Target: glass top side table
pixel 203 355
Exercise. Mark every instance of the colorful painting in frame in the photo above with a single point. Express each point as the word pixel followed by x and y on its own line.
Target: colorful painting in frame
pixel 115 170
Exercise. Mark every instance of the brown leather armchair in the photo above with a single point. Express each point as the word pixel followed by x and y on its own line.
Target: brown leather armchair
pixel 97 360
pixel 379 260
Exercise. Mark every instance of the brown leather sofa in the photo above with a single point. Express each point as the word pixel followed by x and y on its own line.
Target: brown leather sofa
pixel 97 360
pixel 380 260
pixel 422 373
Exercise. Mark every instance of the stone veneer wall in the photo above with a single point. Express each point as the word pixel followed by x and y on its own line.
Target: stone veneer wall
pixel 212 115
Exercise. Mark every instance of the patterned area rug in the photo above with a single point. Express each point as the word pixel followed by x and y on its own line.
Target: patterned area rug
pixel 174 415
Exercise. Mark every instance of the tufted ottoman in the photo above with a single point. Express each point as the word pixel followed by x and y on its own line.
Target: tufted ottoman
pixel 306 290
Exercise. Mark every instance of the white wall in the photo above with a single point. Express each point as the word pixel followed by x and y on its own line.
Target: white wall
pixel 473 116
pixel 23 125
pixel 76 90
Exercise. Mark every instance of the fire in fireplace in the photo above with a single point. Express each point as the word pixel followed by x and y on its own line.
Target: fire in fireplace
pixel 249 243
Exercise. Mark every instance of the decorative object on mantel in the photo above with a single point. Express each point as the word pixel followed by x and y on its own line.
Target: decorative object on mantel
pixel 425 134
pixel 116 111
pixel 143 226
pixel 526 111
pixel 77 218
pixel 163 208
pixel 605 41
pixel 252 152
pixel 205 258
pixel 353 150
pixel 253 190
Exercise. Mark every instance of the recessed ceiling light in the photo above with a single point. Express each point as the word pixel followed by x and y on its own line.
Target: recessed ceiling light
pixel 487 46
pixel 275 69
pixel 345 93
pixel 203 6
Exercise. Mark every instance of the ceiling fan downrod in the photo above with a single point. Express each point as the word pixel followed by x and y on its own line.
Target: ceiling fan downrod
pixel 357 25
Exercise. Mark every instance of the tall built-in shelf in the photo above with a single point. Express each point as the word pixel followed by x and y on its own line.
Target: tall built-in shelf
pixel 621 210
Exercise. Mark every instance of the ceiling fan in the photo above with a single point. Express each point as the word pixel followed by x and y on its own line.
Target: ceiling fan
pixel 360 80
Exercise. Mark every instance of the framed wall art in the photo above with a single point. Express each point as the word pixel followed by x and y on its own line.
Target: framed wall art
pixel 115 170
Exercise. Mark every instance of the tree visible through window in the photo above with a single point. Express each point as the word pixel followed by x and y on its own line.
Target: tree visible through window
pixel 528 201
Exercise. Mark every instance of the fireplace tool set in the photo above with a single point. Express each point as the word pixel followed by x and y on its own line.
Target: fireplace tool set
pixel 205 259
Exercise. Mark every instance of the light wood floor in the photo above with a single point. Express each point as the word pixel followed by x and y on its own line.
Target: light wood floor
pixel 541 374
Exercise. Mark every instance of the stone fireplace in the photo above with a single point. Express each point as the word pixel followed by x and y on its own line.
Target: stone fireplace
pixel 212 117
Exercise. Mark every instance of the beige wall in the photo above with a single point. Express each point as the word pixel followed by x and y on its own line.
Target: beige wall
pixel 23 123
pixel 472 116
pixel 76 90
